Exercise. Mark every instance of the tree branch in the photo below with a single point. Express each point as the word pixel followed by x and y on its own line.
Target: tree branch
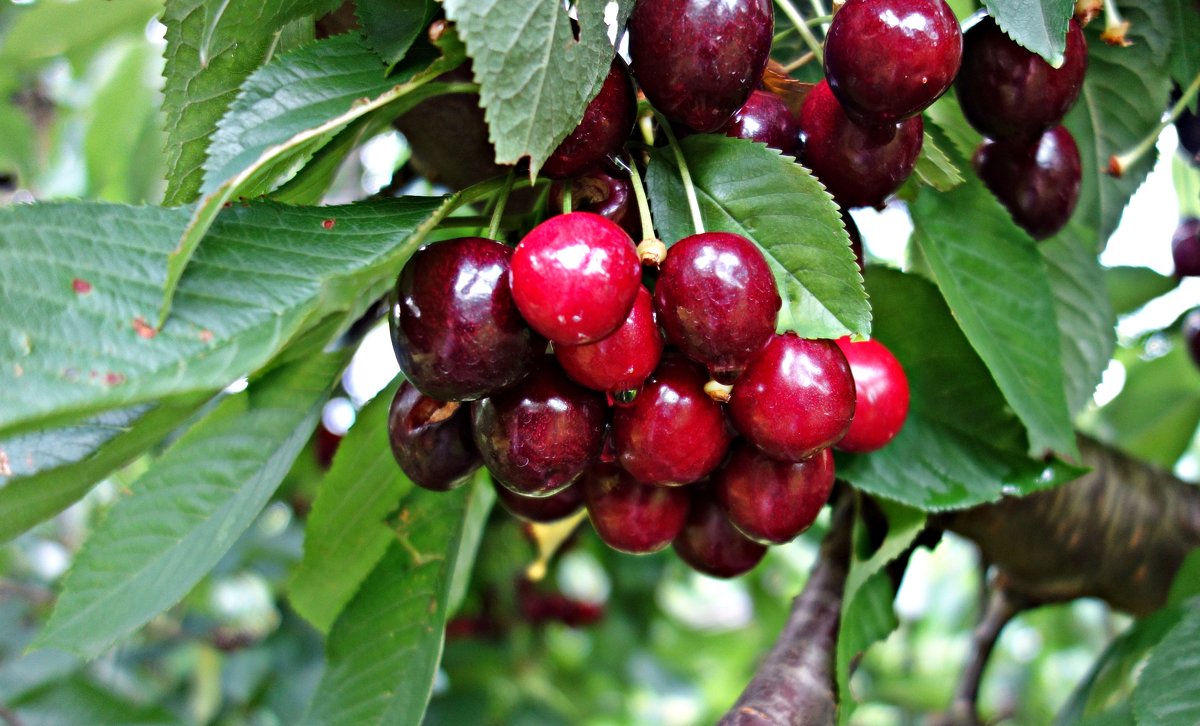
pixel 1002 607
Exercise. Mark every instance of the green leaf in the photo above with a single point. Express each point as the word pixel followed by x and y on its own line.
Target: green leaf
pixel 1039 25
pixel 996 283
pixel 535 78
pixel 1129 288
pixel 78 701
pixel 1123 98
pixel 1156 414
pixel 384 649
pixel 1185 52
pixel 1186 177
pixel 189 508
pixel 1187 579
pixel 346 534
pixel 935 168
pixel 123 109
pixel 52 29
pixel 212 46
pixel 267 273
pixel 948 118
pixel 961 445
pixel 1085 320
pixel 391 26
pixel 746 188
pixel 1167 692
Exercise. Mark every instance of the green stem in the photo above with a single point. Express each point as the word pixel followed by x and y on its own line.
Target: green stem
pixel 1119 164
pixel 639 193
pixel 689 187
pixel 568 199
pixel 805 32
pixel 502 201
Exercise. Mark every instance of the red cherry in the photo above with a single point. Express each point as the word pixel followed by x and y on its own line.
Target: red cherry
pixel 431 439
pixel 575 277
pixel 1185 247
pixel 773 501
pixel 881 396
pixel 559 505
pixel 764 118
pixel 795 398
pixel 602 193
pixel 622 361
pixel 607 123
pixel 709 543
pixel 1038 182
pixel 632 517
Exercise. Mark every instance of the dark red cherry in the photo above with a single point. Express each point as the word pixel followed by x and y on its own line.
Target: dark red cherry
pixel 886 60
pixel 709 543
pixel 673 433
pixel 1185 248
pixel 1006 90
pixel 622 361
pixel 1191 334
pixel 632 517
pixel 1188 127
pixel 880 393
pixel 1038 182
pixel 764 118
pixel 855 240
pixel 698 60
pixel 773 501
pixel 860 166
pixel 539 436
pixel 456 332
pixel 607 123
pixel 559 505
pixel 717 300
pixel 431 439
pixel 599 192
pixel 575 276
pixel 795 398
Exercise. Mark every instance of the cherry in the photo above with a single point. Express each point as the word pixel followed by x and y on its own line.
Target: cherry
pixel 632 517
pixel 709 543
pixel 881 396
pixel 771 501
pixel 1006 90
pixel 859 165
pixel 575 276
pixel 539 437
pixel 559 505
pixel 431 439
pixel 456 332
pixel 698 60
pixel 717 300
pixel 795 398
pixel 601 193
pixel 1185 248
pixel 887 60
pixel 619 363
pixel 1038 182
pixel 673 433
pixel 764 118
pixel 1191 334
pixel 607 123
pixel 1188 127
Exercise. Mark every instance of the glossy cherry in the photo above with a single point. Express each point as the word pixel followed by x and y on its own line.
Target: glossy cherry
pixel 559 505
pixel 632 517
pixel 673 433
pixel 880 393
pixel 1191 334
pixel 1038 182
pixel 698 60
pixel 431 439
pixel 607 123
pixel 860 166
pixel 620 363
pixel 795 398
pixel 575 277
pixel 887 60
pixel 1185 248
pixel 1006 90
pixel 456 332
pixel 764 118
pixel 717 300
pixel 539 436
pixel 773 501
pixel 600 192
pixel 709 543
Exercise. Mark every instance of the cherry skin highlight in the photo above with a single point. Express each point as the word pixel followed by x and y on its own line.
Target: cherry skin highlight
pixel 1037 182
pixel 575 277
pixel 772 501
pixel 456 332
pixel 673 433
pixel 795 398
pixel 559 505
pixel 709 543
pixel 599 192
pixel 697 60
pixel 881 396
pixel 607 123
pixel 622 361
pixel 431 439
pixel 632 517
pixel 859 165
pixel 1006 90
pixel 539 437
pixel 764 118
pixel 1185 248
pixel 717 300
pixel 887 60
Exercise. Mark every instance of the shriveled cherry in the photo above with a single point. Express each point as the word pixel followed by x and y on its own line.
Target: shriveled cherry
pixel 600 192
pixel 559 505
pixel 629 516
pixel 431 439
pixel 881 396
pixel 795 398
pixel 621 362
pixel 773 501
pixel 575 277
pixel 607 123
pixel 709 543
pixel 1038 182
pixel 1185 247
pixel 764 118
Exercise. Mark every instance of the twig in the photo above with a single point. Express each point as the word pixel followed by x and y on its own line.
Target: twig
pixel 1002 607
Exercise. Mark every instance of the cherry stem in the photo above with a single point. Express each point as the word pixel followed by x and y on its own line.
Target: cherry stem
pixel 1115 26
pixel 718 392
pixel 799 62
pixel 805 32
pixel 568 196
pixel 689 187
pixel 501 202
pixel 1119 164
pixel 639 193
